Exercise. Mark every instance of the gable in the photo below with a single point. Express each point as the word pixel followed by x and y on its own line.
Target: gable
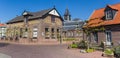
pixel 54 12
pixel 107 8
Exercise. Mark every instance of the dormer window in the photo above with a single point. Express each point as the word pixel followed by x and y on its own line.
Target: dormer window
pixel 110 12
pixel 109 15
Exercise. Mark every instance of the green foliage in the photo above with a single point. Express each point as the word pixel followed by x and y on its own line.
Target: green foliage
pixel 88 30
pixel 69 39
pixel 74 46
pixel 90 50
pixel 108 52
pixel 83 44
pixel 102 44
pixel 117 50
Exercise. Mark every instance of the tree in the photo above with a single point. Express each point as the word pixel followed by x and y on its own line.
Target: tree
pixel 88 29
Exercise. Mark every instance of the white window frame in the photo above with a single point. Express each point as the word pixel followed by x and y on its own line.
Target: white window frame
pixel 35 33
pixel 109 15
pixel 108 41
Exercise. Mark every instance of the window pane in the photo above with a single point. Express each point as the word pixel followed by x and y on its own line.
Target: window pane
pixel 95 37
pixel 46 33
pixel 46 30
pixel 53 19
pixel 52 30
pixel 109 14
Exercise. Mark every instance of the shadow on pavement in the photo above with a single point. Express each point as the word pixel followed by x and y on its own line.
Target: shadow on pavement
pixel 4 44
pixel 4 56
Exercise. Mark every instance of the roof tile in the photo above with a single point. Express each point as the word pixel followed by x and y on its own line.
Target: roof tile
pixel 97 19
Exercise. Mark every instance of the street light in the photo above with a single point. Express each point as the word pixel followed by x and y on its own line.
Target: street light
pixel 60 35
pixel 26 14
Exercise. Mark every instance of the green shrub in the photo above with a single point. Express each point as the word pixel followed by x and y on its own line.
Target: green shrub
pixel 117 50
pixel 108 52
pixel 90 50
pixel 74 46
pixel 102 44
pixel 69 39
pixel 83 44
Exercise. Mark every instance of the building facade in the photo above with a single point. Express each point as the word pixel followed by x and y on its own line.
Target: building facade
pixel 2 30
pixel 106 23
pixel 72 28
pixel 44 25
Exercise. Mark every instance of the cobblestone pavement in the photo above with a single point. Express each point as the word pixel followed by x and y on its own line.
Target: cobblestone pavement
pixel 44 51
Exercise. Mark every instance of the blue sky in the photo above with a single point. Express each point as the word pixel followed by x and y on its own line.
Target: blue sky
pixel 78 8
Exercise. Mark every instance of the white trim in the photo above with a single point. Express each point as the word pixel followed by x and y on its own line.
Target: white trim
pixel 54 12
pixel 108 15
pixel 115 14
pixel 35 32
pixel 108 43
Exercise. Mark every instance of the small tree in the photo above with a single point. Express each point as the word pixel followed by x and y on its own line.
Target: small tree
pixel 89 27
pixel 89 30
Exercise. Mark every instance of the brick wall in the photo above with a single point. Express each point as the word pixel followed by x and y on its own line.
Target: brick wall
pixel 115 32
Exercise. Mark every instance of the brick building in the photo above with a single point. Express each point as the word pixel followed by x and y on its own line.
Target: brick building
pixel 44 25
pixel 108 19
pixel 2 30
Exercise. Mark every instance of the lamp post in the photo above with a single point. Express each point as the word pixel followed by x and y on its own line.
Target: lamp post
pixel 26 14
pixel 77 30
pixel 60 35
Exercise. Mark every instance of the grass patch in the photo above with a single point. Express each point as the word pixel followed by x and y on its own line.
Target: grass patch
pixel 90 50
pixel 74 46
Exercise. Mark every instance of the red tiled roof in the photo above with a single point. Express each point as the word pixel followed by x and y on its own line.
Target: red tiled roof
pixel 2 24
pixel 97 19
pixel 113 7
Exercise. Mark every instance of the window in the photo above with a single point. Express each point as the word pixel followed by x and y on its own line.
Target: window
pixel 52 34
pixel 46 30
pixel 52 30
pixel 21 32
pixel 47 33
pixel 58 30
pixel 58 35
pixel 35 33
pixel 108 37
pixel 95 34
pixel 53 19
pixel 109 14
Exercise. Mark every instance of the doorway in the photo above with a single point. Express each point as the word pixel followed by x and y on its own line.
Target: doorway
pixel 108 38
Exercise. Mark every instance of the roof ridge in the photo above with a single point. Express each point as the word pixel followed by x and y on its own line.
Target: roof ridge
pixel 35 15
pixel 43 10
pixel 111 5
